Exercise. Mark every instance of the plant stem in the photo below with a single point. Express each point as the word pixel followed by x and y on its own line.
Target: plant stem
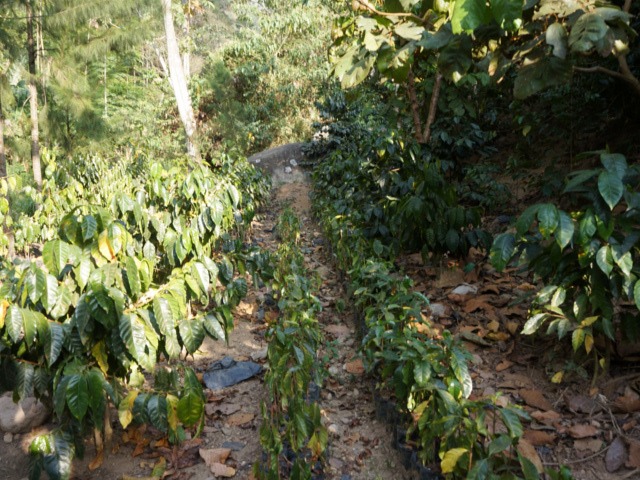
pixel 415 106
pixel 433 108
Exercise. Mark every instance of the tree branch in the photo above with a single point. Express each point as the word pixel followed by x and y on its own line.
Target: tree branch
pixel 372 9
pixel 625 74
pixel 433 108
pixel 415 106
pixel 627 6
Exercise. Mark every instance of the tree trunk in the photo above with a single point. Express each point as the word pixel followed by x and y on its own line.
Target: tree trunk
pixel 33 98
pixel 179 81
pixel 3 157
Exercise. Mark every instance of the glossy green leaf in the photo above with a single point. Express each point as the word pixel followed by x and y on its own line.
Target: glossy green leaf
pixel 604 259
pixel 565 230
pixel 526 219
pixel 548 219
pixel 502 250
pixel 192 333
pixel 13 322
pixel 534 323
pixel 55 255
pixel 610 187
pixel 636 294
pixel 468 15
pixel 499 444
pixel 623 259
pixel 461 371
pixel 157 412
pixel 133 278
pixel 132 334
pixel 167 325
pixel 30 325
pixel 615 163
pixel 89 227
pixel 50 294
pixel 77 395
pixel 213 326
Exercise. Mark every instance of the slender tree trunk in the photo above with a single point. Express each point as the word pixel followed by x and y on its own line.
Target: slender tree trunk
pixel 433 108
pixel 3 174
pixel 179 81
pixel 33 98
pixel 3 157
pixel 415 106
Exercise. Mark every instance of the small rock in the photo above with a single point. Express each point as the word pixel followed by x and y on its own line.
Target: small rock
pixel 287 170
pixel 355 392
pixel 334 429
pixel 465 289
pixel 438 310
pixel 234 446
pixel 257 160
pixel 333 371
pixel 22 416
pixel 293 162
pixel 8 437
pixel 259 355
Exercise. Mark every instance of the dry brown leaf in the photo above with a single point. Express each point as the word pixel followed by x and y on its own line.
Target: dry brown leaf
pixel 539 437
pixel 581 404
pixel 529 452
pixel 498 336
pixel 629 402
pixel 503 365
pixel 512 327
pixel 354 367
pixel 589 445
pixel 140 446
pixel 535 399
pixel 582 431
pixel 220 470
pixel 214 455
pixel 548 418
pixel 478 303
pixel 514 312
pixel 490 289
pixel 493 326
pixel 97 461
pixel 240 419
pixel 616 455
pixel 634 455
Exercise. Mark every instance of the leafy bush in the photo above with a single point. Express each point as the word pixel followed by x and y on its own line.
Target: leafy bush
pixel 587 256
pixel 398 189
pixel 292 426
pixel 118 289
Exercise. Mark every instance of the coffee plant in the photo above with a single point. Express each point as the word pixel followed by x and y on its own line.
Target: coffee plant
pixel 587 257
pixel 292 433
pixel 120 294
pixel 424 370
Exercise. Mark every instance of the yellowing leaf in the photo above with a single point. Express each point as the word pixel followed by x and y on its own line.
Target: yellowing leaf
pixel 451 458
pixel 104 246
pixel 557 377
pixel 125 409
pixel 4 306
pixel 172 412
pixel 588 343
pixel 99 352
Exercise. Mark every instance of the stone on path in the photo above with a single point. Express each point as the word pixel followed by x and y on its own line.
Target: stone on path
pixel 23 416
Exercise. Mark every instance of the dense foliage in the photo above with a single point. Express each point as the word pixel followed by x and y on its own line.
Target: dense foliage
pixel 122 291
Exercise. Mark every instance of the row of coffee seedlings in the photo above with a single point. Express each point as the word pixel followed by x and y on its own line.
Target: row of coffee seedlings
pixel 292 434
